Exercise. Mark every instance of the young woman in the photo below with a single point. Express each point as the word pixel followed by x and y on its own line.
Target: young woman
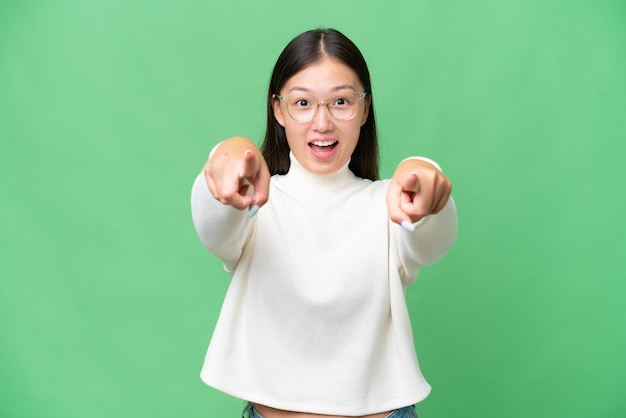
pixel 315 323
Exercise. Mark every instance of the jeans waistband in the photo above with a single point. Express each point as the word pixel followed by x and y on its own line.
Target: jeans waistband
pixel 406 412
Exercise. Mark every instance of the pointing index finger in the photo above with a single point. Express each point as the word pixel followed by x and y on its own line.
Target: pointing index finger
pixel 249 166
pixel 411 183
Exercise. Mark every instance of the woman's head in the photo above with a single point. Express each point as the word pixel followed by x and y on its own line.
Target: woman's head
pixel 321 64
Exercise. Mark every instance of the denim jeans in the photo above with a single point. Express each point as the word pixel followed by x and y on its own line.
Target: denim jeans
pixel 406 412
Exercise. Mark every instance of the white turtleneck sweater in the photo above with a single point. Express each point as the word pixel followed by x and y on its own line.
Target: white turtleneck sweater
pixel 315 318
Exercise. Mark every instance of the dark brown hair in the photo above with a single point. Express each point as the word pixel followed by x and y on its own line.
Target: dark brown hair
pixel 304 50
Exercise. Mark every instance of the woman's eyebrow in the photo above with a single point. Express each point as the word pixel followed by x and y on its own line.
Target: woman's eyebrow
pixel 298 88
pixel 344 87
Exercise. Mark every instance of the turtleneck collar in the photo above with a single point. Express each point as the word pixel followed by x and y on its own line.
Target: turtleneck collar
pixel 304 182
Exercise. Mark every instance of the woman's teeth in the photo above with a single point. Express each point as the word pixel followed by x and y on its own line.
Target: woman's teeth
pixel 323 143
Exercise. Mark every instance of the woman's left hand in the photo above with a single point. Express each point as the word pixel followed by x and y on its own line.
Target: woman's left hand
pixel 417 189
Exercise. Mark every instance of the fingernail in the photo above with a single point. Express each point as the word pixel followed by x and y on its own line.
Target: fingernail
pixel 408 226
pixel 253 210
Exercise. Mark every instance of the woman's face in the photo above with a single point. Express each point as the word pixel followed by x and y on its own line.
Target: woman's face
pixel 324 144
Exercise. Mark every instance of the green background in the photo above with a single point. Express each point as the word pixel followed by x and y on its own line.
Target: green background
pixel 108 109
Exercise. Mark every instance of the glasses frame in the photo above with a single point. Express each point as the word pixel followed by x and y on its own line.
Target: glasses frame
pixel 360 97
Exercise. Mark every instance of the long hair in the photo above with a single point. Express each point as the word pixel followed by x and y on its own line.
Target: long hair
pixel 304 50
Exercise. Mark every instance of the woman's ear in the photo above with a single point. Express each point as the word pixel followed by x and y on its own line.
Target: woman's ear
pixel 278 112
pixel 367 111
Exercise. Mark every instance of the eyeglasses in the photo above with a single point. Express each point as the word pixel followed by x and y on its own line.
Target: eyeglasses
pixel 303 107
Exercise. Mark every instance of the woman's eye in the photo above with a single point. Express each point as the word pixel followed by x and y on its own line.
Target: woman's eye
pixel 302 103
pixel 341 102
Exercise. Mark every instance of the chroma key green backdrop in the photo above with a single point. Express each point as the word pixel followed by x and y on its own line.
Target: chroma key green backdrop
pixel 108 110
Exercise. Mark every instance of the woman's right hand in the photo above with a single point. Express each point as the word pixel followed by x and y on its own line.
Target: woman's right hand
pixel 232 168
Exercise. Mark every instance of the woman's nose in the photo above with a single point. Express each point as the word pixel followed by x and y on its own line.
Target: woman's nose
pixel 322 120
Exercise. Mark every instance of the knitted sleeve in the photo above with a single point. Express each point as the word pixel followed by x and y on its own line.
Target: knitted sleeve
pixel 430 242
pixel 222 229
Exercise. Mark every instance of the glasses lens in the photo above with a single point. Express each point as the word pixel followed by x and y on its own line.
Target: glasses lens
pixel 345 106
pixel 302 108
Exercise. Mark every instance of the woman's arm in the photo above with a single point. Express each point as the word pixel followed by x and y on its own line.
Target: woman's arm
pixel 234 178
pixel 424 218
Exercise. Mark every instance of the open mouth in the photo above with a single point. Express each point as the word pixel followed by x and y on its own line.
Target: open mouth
pixel 323 146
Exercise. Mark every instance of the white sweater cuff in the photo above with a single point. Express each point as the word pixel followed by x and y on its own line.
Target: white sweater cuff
pixel 428 160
